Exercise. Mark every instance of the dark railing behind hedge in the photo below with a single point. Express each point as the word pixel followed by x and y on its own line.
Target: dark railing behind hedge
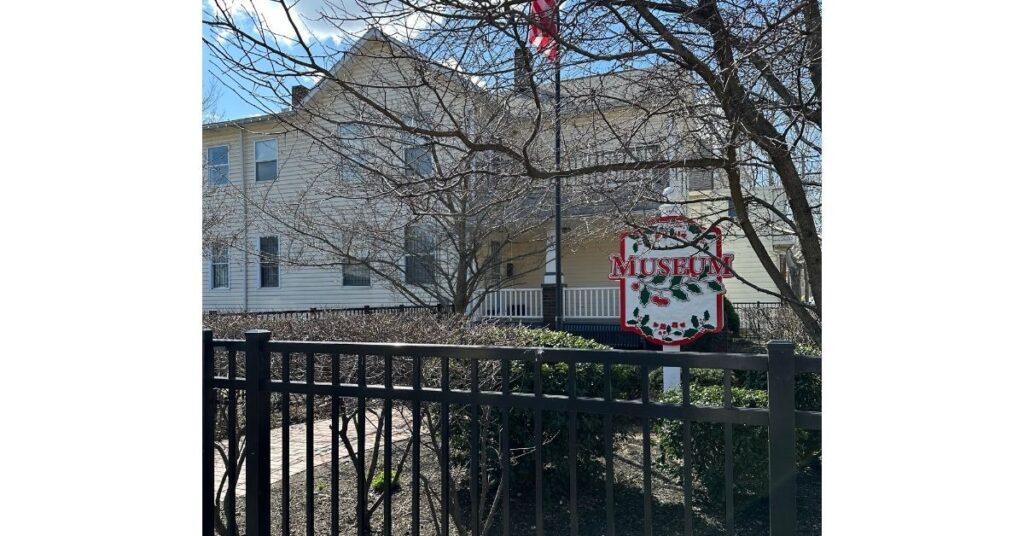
pixel 756 305
pixel 314 311
pixel 259 382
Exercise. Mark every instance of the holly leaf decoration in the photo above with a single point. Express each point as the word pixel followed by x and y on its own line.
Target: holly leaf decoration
pixel 694 288
pixel 645 320
pixel 707 315
pixel 666 339
pixel 693 228
pixel 676 280
pixel 694 321
pixel 645 296
pixel 631 322
pixel 636 312
pixel 658 279
pixel 708 326
pixel 713 285
pixel 647 330
pixel 689 333
pixel 636 247
pixel 680 295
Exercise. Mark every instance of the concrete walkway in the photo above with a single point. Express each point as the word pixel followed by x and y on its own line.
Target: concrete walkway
pixel 400 430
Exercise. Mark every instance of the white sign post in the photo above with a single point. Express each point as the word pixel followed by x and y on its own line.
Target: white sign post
pixel 670 283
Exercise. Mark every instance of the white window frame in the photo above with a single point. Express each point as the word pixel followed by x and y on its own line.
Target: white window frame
pixel 256 161
pixel 259 260
pixel 227 174
pixel 213 268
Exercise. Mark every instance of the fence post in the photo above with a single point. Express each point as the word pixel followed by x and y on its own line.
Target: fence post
pixel 209 416
pixel 257 432
pixel 781 439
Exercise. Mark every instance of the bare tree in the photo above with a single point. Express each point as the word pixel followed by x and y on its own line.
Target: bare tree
pixel 723 97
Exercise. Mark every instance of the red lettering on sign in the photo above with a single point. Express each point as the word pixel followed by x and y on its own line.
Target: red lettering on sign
pixel 647 267
pixel 622 267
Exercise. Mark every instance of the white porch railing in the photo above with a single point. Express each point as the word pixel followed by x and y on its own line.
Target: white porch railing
pixel 590 302
pixel 513 303
pixel 578 303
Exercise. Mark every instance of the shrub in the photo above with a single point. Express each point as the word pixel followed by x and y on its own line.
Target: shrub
pixel 412 327
pixel 750 443
pixel 768 323
pixel 377 484
pixel 732 318
pixel 554 377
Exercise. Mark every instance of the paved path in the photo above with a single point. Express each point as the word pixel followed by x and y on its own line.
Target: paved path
pixel 400 430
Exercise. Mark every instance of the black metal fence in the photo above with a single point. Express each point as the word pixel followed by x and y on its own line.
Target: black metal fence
pixel 425 377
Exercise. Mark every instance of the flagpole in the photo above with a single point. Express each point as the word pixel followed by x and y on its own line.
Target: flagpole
pixel 558 179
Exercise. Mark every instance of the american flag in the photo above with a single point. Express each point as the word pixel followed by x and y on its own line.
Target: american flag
pixel 543 27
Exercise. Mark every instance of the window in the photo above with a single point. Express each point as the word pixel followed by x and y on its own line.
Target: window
pixel 420 255
pixel 356 275
pixel 219 267
pixel 266 160
pixel 701 179
pixel 418 161
pixel 353 152
pixel 634 154
pixel 269 267
pixel 647 153
pixel 217 165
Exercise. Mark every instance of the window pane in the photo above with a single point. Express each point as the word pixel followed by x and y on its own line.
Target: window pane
pixel 356 275
pixel 419 269
pixel 219 254
pixel 218 175
pixel 701 179
pixel 220 275
pixel 216 156
pixel 266 150
pixel 268 246
pixel 268 275
pixel 418 162
pixel 420 239
pixel 266 171
pixel 350 134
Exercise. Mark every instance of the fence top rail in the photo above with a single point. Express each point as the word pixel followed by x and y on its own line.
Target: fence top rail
pixel 755 362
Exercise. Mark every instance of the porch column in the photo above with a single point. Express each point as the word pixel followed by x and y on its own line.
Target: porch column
pixel 548 288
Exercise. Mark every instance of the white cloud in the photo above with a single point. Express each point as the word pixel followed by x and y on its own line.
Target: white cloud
pixel 330 22
pixel 453 64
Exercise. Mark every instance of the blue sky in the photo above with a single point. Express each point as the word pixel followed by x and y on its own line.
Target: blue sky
pixel 325 38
